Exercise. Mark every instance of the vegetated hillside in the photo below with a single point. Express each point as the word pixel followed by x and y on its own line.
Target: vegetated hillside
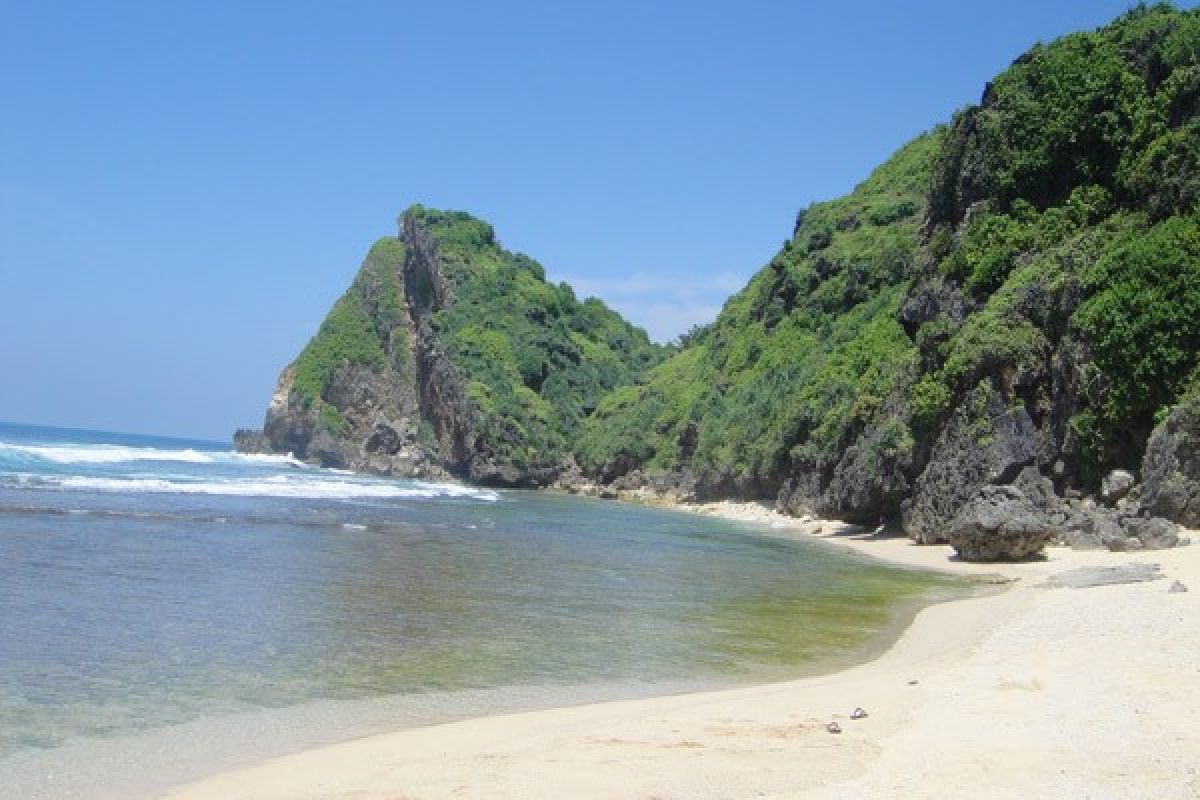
pixel 1018 289
pixel 968 343
pixel 450 354
pixel 798 361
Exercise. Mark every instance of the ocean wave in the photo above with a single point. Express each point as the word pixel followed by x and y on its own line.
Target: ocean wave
pixel 269 459
pixel 118 454
pixel 273 486
pixel 104 453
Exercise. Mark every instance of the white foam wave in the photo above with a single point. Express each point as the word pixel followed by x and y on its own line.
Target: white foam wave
pixel 106 453
pixel 274 486
pixel 117 454
pixel 269 458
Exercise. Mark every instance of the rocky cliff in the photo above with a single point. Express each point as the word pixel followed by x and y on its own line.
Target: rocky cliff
pixel 992 341
pixel 1011 301
pixel 450 356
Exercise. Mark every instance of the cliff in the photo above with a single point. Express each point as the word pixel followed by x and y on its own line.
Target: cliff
pixel 450 356
pixel 1011 302
pixel 993 340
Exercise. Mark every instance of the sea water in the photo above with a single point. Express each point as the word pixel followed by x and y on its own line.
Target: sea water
pixel 169 607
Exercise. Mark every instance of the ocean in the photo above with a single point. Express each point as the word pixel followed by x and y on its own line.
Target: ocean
pixel 169 607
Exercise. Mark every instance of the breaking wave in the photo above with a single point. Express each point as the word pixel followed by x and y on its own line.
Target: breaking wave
pixel 119 454
pixel 272 486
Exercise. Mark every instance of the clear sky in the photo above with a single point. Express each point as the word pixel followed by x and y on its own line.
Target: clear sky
pixel 185 187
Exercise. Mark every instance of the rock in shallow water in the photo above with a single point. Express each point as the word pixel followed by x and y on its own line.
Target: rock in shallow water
pixel 250 441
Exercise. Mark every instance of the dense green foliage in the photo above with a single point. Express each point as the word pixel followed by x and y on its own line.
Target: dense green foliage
pixel 1043 247
pixel 1064 204
pixel 1108 108
pixel 362 329
pixel 797 360
pixel 535 358
pixel 1060 212
pixel 1143 320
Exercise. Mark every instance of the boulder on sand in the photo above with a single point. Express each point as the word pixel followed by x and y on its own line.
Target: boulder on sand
pixel 999 524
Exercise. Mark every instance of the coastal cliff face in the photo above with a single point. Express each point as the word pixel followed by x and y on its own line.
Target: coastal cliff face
pixel 993 340
pixel 1012 300
pixel 450 356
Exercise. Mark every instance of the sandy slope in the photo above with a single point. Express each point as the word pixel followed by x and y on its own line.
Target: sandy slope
pixel 1030 693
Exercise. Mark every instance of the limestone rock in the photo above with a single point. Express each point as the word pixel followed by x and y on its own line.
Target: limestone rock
pixel 1171 467
pixel 927 301
pixel 384 438
pixel 251 441
pixel 986 442
pixel 999 524
pixel 869 481
pixel 327 450
pixel 1089 530
pixel 1116 485
pixel 1153 533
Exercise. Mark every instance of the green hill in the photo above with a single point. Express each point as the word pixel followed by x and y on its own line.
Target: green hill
pixel 1012 300
pixel 1018 288
pixel 452 355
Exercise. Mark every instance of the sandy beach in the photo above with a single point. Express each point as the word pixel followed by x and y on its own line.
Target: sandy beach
pixel 1038 691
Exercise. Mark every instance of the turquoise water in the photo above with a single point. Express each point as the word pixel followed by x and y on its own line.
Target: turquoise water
pixel 157 588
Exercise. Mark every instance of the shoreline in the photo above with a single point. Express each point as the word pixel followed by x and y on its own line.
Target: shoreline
pixel 1041 692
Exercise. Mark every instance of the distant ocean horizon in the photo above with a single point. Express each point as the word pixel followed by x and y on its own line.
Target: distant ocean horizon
pixel 107 434
pixel 169 607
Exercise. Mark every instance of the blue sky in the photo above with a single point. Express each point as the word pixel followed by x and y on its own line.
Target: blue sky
pixel 186 187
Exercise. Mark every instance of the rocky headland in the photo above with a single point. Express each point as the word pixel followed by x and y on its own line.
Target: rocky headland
pixel 992 342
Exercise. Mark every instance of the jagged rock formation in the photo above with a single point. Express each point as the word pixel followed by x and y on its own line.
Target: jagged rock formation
pixel 350 398
pixel 450 356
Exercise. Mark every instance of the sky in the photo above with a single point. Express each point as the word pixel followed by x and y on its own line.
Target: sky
pixel 186 187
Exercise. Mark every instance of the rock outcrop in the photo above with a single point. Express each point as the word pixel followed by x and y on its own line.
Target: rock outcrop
pixel 1016 520
pixel 1171 468
pixel 450 357
pixel 246 440
pixel 986 442
pixel 440 394
pixel 934 350
pixel 1116 485
pixel 998 523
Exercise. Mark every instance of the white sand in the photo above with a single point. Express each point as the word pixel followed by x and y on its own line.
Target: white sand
pixel 1030 693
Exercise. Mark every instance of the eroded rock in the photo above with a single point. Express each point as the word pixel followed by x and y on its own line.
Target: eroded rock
pixel 1153 533
pixel 246 440
pixel 1116 485
pixel 986 442
pixel 1171 467
pixel 999 524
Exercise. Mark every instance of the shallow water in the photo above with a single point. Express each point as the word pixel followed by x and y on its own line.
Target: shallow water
pixel 161 591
